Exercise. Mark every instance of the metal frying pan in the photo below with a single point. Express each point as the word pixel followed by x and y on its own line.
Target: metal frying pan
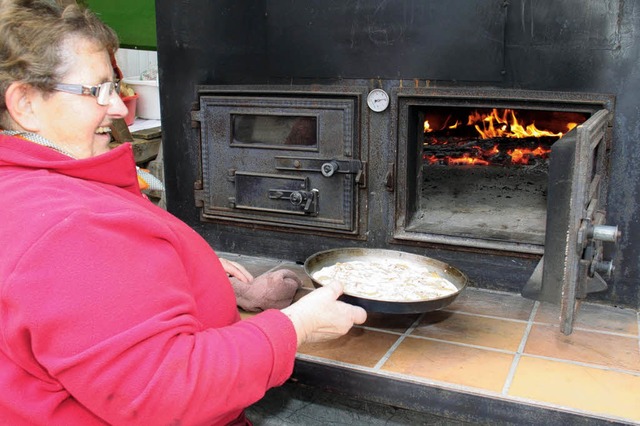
pixel 321 259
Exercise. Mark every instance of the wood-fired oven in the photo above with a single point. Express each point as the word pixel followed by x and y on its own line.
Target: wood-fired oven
pixel 294 127
pixel 472 171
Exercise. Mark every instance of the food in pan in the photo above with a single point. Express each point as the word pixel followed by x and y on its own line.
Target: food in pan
pixel 392 280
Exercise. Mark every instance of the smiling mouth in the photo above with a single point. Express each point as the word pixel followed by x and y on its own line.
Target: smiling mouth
pixel 103 130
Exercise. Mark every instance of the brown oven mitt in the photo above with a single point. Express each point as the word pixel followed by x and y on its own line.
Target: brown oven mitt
pixel 271 290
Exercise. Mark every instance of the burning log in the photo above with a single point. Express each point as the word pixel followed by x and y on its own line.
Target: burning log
pixel 503 151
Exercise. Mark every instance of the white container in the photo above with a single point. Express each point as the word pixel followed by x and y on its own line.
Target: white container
pixel 149 101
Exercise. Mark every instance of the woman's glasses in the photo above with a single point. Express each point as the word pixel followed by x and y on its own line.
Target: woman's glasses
pixel 101 92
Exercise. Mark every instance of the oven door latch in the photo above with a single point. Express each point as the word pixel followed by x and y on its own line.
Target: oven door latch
pixel 284 194
pixel 327 167
pixel 305 200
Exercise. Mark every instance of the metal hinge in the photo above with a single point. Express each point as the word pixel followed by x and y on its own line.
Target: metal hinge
pixel 199 194
pixel 196 117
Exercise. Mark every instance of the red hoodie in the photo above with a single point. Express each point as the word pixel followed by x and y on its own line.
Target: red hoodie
pixel 114 311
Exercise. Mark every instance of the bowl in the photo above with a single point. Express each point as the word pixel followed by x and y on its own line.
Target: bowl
pixel 149 97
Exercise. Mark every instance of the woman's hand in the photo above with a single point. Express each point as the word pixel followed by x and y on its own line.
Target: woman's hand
pixel 319 316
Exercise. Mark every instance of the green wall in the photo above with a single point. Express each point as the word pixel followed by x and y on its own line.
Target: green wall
pixel 133 20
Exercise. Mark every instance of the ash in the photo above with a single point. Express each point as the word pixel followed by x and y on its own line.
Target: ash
pixel 493 202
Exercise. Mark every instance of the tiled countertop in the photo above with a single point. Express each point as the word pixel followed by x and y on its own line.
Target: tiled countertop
pixel 498 345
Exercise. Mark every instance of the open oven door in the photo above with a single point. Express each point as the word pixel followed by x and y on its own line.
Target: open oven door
pixel 575 221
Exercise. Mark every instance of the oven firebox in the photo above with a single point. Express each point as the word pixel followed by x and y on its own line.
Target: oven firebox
pixel 466 178
pixel 485 172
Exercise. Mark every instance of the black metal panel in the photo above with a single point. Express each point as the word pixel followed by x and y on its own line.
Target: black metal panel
pixel 364 39
pixel 566 45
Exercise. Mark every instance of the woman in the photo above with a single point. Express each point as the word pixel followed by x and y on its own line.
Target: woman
pixel 112 311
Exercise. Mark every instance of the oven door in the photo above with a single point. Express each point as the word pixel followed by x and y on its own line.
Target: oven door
pixel 280 161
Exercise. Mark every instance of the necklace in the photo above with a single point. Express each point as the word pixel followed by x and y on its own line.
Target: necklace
pixel 149 179
pixel 35 138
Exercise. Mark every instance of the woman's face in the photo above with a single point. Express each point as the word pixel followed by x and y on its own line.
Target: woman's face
pixel 76 122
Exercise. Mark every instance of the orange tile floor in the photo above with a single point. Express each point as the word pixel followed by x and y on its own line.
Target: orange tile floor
pixel 500 345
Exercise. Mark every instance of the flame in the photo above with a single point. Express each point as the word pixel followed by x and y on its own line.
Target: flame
pixel 483 158
pixel 427 126
pixel 451 161
pixel 506 125
pixel 489 125
pixel 496 125
pixel 466 159
pixel 519 155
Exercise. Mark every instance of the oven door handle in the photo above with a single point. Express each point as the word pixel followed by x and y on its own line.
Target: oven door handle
pixel 327 167
pixel 306 200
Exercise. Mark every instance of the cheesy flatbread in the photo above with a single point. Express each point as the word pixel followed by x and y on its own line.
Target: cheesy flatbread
pixel 392 280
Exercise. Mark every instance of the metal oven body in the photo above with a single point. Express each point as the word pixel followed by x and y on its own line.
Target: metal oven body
pixel 274 145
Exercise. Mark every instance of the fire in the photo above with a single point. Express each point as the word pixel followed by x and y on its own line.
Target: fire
pixel 448 148
pixel 427 126
pixel 520 155
pixel 466 159
pixel 500 125
pixel 506 125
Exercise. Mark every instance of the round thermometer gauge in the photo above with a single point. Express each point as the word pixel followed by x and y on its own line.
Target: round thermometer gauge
pixel 378 100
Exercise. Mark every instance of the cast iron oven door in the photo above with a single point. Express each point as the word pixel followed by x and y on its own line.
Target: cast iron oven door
pixel 573 264
pixel 280 161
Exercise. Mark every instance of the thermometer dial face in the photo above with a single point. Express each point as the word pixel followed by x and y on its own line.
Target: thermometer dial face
pixel 378 100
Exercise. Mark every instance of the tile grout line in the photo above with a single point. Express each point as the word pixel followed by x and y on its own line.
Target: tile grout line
pixel 475 314
pixel 520 351
pixel 587 364
pixel 466 345
pixel 592 330
pixel 544 323
pixel 397 343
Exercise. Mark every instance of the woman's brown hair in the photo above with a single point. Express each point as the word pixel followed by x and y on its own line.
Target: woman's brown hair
pixel 32 35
